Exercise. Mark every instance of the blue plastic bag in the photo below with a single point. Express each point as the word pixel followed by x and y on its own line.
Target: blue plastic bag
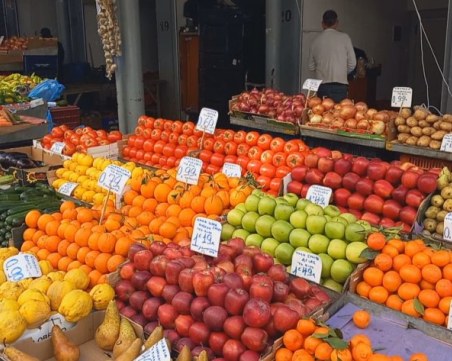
pixel 49 90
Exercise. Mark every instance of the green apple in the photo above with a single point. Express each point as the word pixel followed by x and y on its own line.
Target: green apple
pixel 251 203
pixel 240 233
pixel 336 248
pixel 264 225
pixel 350 218
pixel 249 221
pixel 334 230
pixel 266 205
pixel 299 237
pixel 241 207
pixel 340 219
pixel 234 217
pixel 332 211
pixel 292 198
pixel 315 224
pixel 283 211
pixel 354 250
pixel 281 230
pixel 254 239
pixel 365 224
pixel 284 253
pixel 318 243
pixel 327 217
pixel 269 245
pixel 302 203
pixel 355 232
pixel 313 210
pixel 327 261
pixel 258 192
pixel 226 231
pixel 298 219
pixel 280 200
pixel 341 269
pixel 303 249
pixel 332 285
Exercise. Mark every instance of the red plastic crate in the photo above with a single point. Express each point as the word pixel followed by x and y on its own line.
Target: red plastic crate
pixel 69 115
pixel 425 162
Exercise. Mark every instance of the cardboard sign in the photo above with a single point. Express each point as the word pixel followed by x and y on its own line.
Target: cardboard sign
pixel 57 147
pixel 158 352
pixel 207 120
pixel 449 319
pixel 401 97
pixel 446 144
pixel 67 188
pixel 206 236
pixel 21 266
pixel 189 170
pixel 447 234
pixel 232 170
pixel 312 84
pixel 319 195
pixel 307 265
pixel 114 178
pixel 44 331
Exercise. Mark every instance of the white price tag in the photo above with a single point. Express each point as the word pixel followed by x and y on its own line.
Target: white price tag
pixel 446 144
pixel 206 236
pixel 447 235
pixel 189 170
pixel 67 188
pixel 58 147
pixel 158 352
pixel 306 265
pixel 207 120
pixel 21 266
pixel 232 170
pixel 449 318
pixel 36 102
pixel 319 195
pixel 312 84
pixel 114 178
pixel 401 97
pixel 44 331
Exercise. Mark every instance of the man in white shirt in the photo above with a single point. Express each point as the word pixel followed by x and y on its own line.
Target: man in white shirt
pixel 332 57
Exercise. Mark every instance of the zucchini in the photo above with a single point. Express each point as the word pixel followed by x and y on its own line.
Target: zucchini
pixel 15 219
pixel 10 197
pixel 21 208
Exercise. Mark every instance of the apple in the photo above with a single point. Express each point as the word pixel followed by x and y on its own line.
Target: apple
pixel 311 160
pixel 137 299
pixel 354 232
pixel 409 179
pixel 150 326
pixel 233 280
pixel 302 203
pixel 235 301
pixel 284 252
pixel 217 293
pixel 256 313
pixel 254 239
pixel 254 339
pixel 217 341
pixel 349 217
pixel 240 233
pixel 376 170
pixel 334 229
pixel 300 287
pixel 336 248
pixel 157 248
pixel 199 349
pixel 126 271
pixel 262 262
pixel 181 302
pixel 251 203
pixel 313 209
pixel 360 165
pixel 128 311
pixel 318 243
pixel 332 211
pixel 414 198
pixel 322 152
pixel 232 350
pixel 349 181
pixel 277 272
pixel 139 319
pixel 332 180
pixel 182 324
pixel 314 176
pixel 155 285
pixel 299 173
pixel 134 248
pixel 167 314
pixel 340 196
pixel 283 211
pixel 387 222
pixel 399 194
pixel 315 224
pixel 356 213
pixel 244 259
pixel 234 217
pixel 202 281
pixel 394 175
pixel 294 187
pixel 234 326
pixel 172 253
pixel 142 259
pixel 325 165
pixel 371 217
pixel 249 355
pixel 281 230
pixel 199 333
pixel 241 207
pixel 298 219
pixel 169 291
pixel 214 317
pixel 356 201
pixel 285 318
pixel 391 209
pixel 262 290
pixel 383 188
pixel 269 246
pixel 184 341
pixel 364 186
pixel 327 262
pixel 291 198
pixel 173 268
pixel 332 285
pixel 226 231
pixel 197 307
pixel 341 269
pixel 249 221
pixel 426 182
pixel 264 224
pixel 342 166
pixel 408 215
pixel 280 291
pixel 374 203
pixel 266 205
pixel 158 265
pixel 354 250
pixel 299 237
pixel 237 244
pixel 139 279
pixel 185 280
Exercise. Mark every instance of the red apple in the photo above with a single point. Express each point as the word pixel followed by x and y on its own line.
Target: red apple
pixel 167 314
pixel 139 319
pixel 360 165
pixel 391 209
pixel 256 313
pixel 299 173
pixel 169 291
pixel 183 324
pixel 235 301
pixel 238 244
pixel 254 339
pixel 262 262
pixel 376 170
pixel 364 186
pixel 249 355
pixel 341 196
pixel 124 289
pixel 171 335
pixel 157 248
pixel 410 178
pixel 246 275
pixel 158 265
pixel 322 151
pixel 426 183
pixel 311 160
pixel 197 351
pixel 120 304
pixel 285 318
pixel 387 222
pixel 134 248
pixel 188 262
pixel 172 253
pixel 313 304
pixel 185 280
pixel 294 187
pixel 150 308
pixel 126 271
pixel 374 204
pixel 137 299
pixel 349 181
pixel 227 266
pixel 217 341
pixel 280 291
pixel 342 166
pixel 142 259
pixel 197 307
pixel 355 212
pixel 262 277
pixel 128 311
pixel 184 341
pixel 300 287
pixel 139 279
pixel 262 290
pixel 214 317
pixel 181 302
pixel 155 285
pixel 234 326
pixel 399 194
pixel 244 260
pixel 314 176
pixel 325 165
pixel 356 201
pixel 414 198
pixel 408 215
pixel 278 272
pixel 217 293
pixel 173 268
pixel 202 281
pixel 383 188
pixel 370 217
pixel 332 180
pixel 232 350
pixel 150 326
pixel 304 190
pixel 394 175
pixel 233 280
pixel 199 333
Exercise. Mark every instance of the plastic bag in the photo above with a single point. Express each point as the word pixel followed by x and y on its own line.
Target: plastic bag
pixel 49 90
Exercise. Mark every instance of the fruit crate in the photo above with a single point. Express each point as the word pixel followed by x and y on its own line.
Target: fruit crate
pixel 425 162
pixel 69 115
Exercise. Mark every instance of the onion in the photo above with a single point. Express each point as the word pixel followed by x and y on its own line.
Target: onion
pixel 361 107
pixel 421 113
pixel 252 102
pixel 350 123
pixel 371 112
pixel 328 117
pixel 337 113
pixel 318 109
pixel 337 107
pixel 244 107
pixel 338 123
pixel 362 124
pixel 271 113
pixel 328 103
pixel 347 112
pixel 298 110
pixel 378 127
pixel 263 109
pixel 316 118
pixel 381 116
pixel 346 101
pixel 360 115
pixel 405 113
pixel 312 102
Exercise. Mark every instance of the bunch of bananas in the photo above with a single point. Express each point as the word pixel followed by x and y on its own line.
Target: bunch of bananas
pixel 15 87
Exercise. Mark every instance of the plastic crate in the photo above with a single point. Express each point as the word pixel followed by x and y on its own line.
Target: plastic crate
pixel 69 115
pixel 425 162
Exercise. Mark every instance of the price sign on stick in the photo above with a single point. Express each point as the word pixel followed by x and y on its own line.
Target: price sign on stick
pixel 446 144
pixel 57 147
pixel 447 235
pixel 232 170
pixel 21 266
pixel 207 120
pixel 114 178
pixel 67 188
pixel 189 170
pixel 312 84
pixel 307 265
pixel 401 97
pixel 319 195
pixel 206 236
pixel 158 352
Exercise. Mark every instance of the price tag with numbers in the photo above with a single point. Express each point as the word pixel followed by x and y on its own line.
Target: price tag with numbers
pixel 189 170
pixel 307 265
pixel 57 147
pixel 67 188
pixel 449 318
pixel 206 236
pixel 44 332
pixel 447 235
pixel 446 144
pixel 312 84
pixel 401 97
pixel 158 352
pixel 21 266
pixel 232 170
pixel 114 178
pixel 207 120
pixel 319 195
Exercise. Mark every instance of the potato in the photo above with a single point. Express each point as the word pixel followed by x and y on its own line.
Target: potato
pixel 411 122
pixel 447 118
pixel 445 126
pixel 402 137
pixel 428 130
pixel 399 121
pixel 423 141
pixel 435 144
pixel 432 118
pixel 411 140
pixel 438 135
pixel 437 124
pixel 423 124
pixel 416 131
pixel 403 129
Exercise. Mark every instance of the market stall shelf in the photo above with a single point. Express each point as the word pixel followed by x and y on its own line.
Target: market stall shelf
pixel 419 151
pixel 265 124
pixel 22 132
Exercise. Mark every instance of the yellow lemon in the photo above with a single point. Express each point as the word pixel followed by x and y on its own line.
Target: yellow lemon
pixel 73 177
pixel 86 160
pixel 67 163
pixel 88 196
pixel 81 169
pixel 59 172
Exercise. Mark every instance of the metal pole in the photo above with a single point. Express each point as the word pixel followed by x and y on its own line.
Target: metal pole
pixel 272 42
pixel 446 99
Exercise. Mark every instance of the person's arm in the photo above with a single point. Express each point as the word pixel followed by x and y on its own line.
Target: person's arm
pixel 311 61
pixel 351 57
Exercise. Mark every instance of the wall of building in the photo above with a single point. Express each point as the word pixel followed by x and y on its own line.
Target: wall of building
pixel 31 20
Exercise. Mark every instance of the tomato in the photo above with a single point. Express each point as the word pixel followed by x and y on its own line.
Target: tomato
pixel 243 161
pixel 218 146
pixel 192 141
pixel 79 131
pixel 158 146
pixel 75 139
pixel 217 159
pixel 167 125
pixel 230 159
pixel 139 142
pixel 130 141
pixel 149 123
pixel 239 137
pixel 64 127
pixel 268 170
pixel 57 132
pixel 182 139
pixel 171 161
pixel 168 150
pixel 165 135
pixel 114 136
pixel 155 158
pixel 275 184
pixel 212 169
pixel 176 127
pixel 230 148
pixel 158 123
pixel 253 166
pixel 81 148
pixel 187 128
pixel 208 144
pixel 282 171
pixel 295 159
pixel 267 156
pixel 90 142
pixel 147 157
pixel 92 133
pixel 85 137
pixel 46 139
pixel 140 154
pixel 228 135
pixel 102 141
pixel 139 130
pixel 86 130
pixel 292 146
pixel 205 155
pixel 162 160
pixel 255 152
pixel 69 148
pixel 155 134
pixel 142 120
pixel 264 141
pixel 263 181
pixel 196 132
pixel 302 146
pixel 126 151
pixel 101 134
pixel 180 151
pixel 279 159
pixel 251 138
pixel 148 145
pixel 243 149
pixel 147 133
pixel 277 144
pixel 68 134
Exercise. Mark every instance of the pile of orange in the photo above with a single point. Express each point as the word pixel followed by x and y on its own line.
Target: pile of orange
pixel 410 277
pixel 308 342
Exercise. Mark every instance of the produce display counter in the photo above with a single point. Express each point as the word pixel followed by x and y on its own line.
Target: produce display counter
pixel 22 133
pixel 419 151
pixel 265 124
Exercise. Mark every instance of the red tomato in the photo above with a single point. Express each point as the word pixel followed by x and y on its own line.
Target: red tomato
pixel 81 148
pixel 46 139
pixel 253 166
pixel 171 161
pixel 162 160
pixel 242 161
pixel 255 152
pixel 251 138
pixel 180 151
pixel 196 132
pixel 139 142
pixel 101 134
pixel 230 148
pixel 167 125
pixel 243 149
pixel 217 159
pixel 86 130
pixel 149 123
pixel 69 148
pixel 79 131
pixel 182 139
pixel 147 157
pixel 64 127
pixel 187 128
pixel 205 155
pixel 140 154
pixel 176 127
pixel 126 151
pixel 147 133
pixel 212 169
pixel 130 141
pixel 85 137
pixel 173 138
pixel 292 146
pixel 277 144
pixel 239 137
pixel 68 134
pixel 168 150
pixel 279 159
pixel 282 171
pixel 139 130
pixel 155 158
pixel 155 134
pixel 218 146
pixel 267 170
pixel 263 181
pixel 228 135
pixel 165 135
pixel 75 139
pixel 148 145
pixel 275 184
pixel 192 141
pixel 102 141
pixel 114 136
pixel 230 159
pixel 295 159
pixel 208 144
pixel 264 141
pixel 267 156
pixel 158 146
pixel 90 142
pixel 142 120
pixel 57 132
pixel 158 123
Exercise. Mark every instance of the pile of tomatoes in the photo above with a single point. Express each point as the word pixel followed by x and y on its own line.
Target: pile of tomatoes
pixel 80 139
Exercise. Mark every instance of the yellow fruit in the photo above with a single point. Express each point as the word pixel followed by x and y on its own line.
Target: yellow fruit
pixel 60 171
pixel 25 282
pixel 88 196
pixel 81 179
pixel 8 252
pixel 41 284
pixel 32 295
pixel 2 276
pixel 76 305
pixel 98 198
pixel 57 291
pixel 105 164
pixel 66 165
pixel 97 163
pixel 86 160
pixel 78 278
pixel 137 172
pixel 108 331
pixel 45 267
pixel 81 169
pixel 8 305
pixel 73 177
pixel 14 354
pixel 78 192
pixel 10 290
pixel 12 326
pixel 102 294
pixel 57 183
pixel 35 312
pixel 56 276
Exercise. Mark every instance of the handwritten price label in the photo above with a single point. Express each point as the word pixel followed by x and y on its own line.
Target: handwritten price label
pixel 21 266
pixel 44 331
pixel 206 236
pixel 189 170
pixel 207 120
pixel 319 195
pixel 312 84
pixel 447 235
pixel 232 170
pixel 114 178
pixel 57 147
pixel 446 144
pixel 449 319
pixel 67 188
pixel 307 265
pixel 158 352
pixel 401 97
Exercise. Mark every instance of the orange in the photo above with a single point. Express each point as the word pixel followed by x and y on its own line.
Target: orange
pixel 440 258
pixel 378 357
pixel 106 243
pixel 360 338
pixel 186 217
pixel 236 197
pixel 26 246
pixel 394 302
pixel 434 315
pixel 311 343
pixel 429 298
pixel 173 210
pixel 410 273
pixel 378 294
pixel 84 215
pixel 114 261
pixel 392 281
pixel 67 205
pixel 431 273
pixel 383 262
pixel 185 200
pixel 302 355
pixel 408 308
pixel 426 285
pixel 86 269
pixel 54 258
pixel 135 211
pixel 197 204
pixel 421 259
pixel 28 234
pixel 138 201
pixel 306 327
pixel 444 288
pixel 363 288
pixel 81 237
pixel 63 263
pixel 323 352
pixel 51 243
pixel 32 217
pixel 150 204
pixel 161 192
pixel 361 318
pixel 72 250
pixel 412 247
pixel 390 250
pixel 444 304
pixel 419 357
pixel 129 196
pixel 376 241
pixel 69 232
pixel 168 230
pixel 283 354
pixel 90 258
pixel 396 358
pixel 147 189
pixel 341 355
pixel 81 254
pixel 293 340
pixel 398 244
pixel 43 220
pixel 69 214
pixel 112 224
pixel 408 291
pixel 399 261
pixel 122 246
pixel 213 205
pixel 101 262
pixel 320 330
pixel 51 228
pixel 361 352
pixel 373 276
pixel 74 265
pixel 94 276
pixel 447 272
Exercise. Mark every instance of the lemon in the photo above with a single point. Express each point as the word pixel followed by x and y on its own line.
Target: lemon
pixel 73 177
pixel 67 164
pixel 45 266
pixel 73 166
pixel 57 183
pixel 97 163
pixel 86 160
pixel 78 192
pixel 137 172
pixel 88 196
pixel 105 164
pixel 66 174
pixel 81 169
pixel 59 172
pixel 98 198
pixel 81 179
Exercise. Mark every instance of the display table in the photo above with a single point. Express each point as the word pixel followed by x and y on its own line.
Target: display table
pixel 22 133
pixel 85 88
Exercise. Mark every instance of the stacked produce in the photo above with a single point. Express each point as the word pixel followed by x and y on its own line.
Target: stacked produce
pixel 15 87
pixel 379 192
pixel 233 304
pixel 280 226
pixel 422 128
pixel 270 103
pixel 346 115
pixel 16 160
pixel 14 43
